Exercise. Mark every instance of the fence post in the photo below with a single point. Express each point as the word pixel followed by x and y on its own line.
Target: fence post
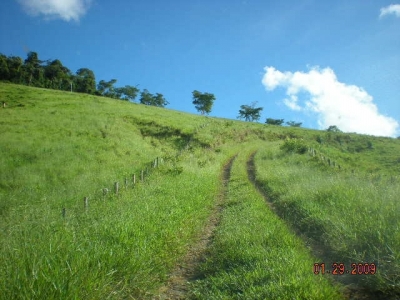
pixel 142 175
pixel 134 179
pixel 116 187
pixel 86 202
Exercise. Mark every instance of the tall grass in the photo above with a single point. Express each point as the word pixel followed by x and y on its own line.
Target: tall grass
pixel 354 218
pixel 122 246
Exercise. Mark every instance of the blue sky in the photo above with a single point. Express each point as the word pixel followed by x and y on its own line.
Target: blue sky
pixel 317 62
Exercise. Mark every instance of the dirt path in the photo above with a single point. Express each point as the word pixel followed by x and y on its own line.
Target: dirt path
pixel 187 269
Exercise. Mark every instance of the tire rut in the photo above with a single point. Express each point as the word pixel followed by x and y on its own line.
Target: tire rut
pixel 187 269
pixel 351 292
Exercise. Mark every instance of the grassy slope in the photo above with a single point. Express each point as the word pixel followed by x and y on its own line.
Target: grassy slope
pixel 353 218
pixel 57 147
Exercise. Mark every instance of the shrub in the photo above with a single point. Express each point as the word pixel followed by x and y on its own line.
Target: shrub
pixel 294 145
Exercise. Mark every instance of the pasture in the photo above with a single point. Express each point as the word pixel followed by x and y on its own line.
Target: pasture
pixel 277 213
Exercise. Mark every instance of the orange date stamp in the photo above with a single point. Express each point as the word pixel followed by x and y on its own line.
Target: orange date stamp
pixel 342 269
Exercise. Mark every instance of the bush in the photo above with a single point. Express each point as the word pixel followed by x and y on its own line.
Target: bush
pixel 294 145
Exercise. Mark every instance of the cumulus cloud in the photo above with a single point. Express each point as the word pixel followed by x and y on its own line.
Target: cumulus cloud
pixel 349 107
pixel 391 9
pixel 66 10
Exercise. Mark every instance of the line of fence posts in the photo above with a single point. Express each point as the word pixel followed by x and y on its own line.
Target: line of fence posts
pixel 321 157
pixel 332 163
pixel 153 164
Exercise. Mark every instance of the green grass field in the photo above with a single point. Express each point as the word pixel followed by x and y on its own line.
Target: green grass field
pixel 57 148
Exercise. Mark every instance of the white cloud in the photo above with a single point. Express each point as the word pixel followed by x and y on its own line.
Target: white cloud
pixel 66 10
pixel 349 107
pixel 391 9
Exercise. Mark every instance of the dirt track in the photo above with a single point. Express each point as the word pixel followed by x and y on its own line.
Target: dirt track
pixel 187 269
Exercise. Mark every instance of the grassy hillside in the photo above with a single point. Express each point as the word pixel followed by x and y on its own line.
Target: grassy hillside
pixel 57 148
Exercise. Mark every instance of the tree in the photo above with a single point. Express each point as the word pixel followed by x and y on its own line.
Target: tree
pixel 107 89
pixel 4 71
pixel 203 102
pixel 250 112
pixel 57 75
pixel 15 66
pixel 333 128
pixel 85 81
pixel 149 99
pixel 293 124
pixel 277 122
pixel 127 92
pixel 33 70
pixel 159 100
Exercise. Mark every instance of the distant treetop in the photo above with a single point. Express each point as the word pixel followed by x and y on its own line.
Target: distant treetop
pixel 333 128
pixel 203 102
pixel 250 113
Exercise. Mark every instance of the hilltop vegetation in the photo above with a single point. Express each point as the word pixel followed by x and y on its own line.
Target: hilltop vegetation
pixel 58 147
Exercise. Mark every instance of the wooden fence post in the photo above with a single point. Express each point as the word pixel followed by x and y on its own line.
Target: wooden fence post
pixel 134 179
pixel 116 187
pixel 86 202
pixel 4 105
pixel 142 175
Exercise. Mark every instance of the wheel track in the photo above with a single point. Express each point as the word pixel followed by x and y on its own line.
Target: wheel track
pixel 187 269
pixel 351 292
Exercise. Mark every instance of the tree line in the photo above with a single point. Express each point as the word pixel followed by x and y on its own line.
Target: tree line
pixel 252 113
pixel 52 74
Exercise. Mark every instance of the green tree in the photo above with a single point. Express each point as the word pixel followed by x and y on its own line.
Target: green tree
pixel 250 112
pixel 107 89
pixel 203 102
pixel 149 99
pixel 127 92
pixel 159 100
pixel 33 71
pixel 293 124
pixel 4 71
pixel 85 81
pixel 271 121
pixel 146 98
pixel 333 128
pixel 15 68
pixel 57 76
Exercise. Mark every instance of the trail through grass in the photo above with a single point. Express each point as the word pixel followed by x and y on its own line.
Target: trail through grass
pixel 254 255
pixel 187 268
